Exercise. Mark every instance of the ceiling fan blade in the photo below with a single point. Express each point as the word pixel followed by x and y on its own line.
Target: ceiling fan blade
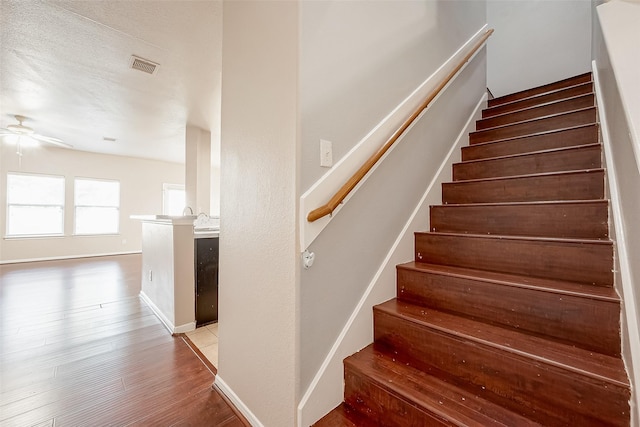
pixel 4 131
pixel 51 140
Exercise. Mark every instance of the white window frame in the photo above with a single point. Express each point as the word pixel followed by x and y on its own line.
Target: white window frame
pixel 9 205
pixel 166 188
pixel 76 206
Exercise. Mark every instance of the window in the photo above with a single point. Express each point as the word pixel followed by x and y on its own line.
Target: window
pixel 97 206
pixel 173 199
pixel 35 205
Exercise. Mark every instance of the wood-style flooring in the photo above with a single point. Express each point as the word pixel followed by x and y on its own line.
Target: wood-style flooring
pixel 79 348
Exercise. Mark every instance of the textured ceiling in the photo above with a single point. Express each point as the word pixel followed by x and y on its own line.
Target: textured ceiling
pixel 65 65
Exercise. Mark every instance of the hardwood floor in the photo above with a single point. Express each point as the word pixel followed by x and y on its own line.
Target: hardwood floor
pixel 79 348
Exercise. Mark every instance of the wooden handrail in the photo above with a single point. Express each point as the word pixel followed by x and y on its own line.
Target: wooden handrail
pixel 344 191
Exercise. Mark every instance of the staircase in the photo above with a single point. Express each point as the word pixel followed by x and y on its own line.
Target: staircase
pixel 508 314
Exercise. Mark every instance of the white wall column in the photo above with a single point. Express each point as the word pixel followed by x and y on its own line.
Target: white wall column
pixel 258 282
pixel 198 169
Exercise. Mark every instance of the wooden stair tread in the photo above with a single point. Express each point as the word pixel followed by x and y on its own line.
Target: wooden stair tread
pixel 548 116
pixel 553 308
pixel 562 93
pixel 543 104
pixel 533 203
pixel 600 293
pixel 585 184
pixel 533 153
pixel 588 156
pixel 525 238
pixel 558 106
pixel 542 89
pixel 563 137
pixel 586 219
pixel 455 406
pixel 542 133
pixel 343 416
pixel 577 260
pixel 531 175
pixel 573 359
pixel 534 126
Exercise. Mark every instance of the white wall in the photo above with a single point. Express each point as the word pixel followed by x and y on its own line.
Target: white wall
pixel 377 54
pixel 214 209
pixel 258 279
pixel 360 59
pixel 537 42
pixel 140 193
pixel 616 35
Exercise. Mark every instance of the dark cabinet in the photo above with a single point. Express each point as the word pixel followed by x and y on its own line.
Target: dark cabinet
pixel 206 280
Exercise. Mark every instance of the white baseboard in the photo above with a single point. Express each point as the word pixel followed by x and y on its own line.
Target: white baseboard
pixel 181 329
pixel 325 390
pixel 59 258
pixel 159 314
pixel 237 402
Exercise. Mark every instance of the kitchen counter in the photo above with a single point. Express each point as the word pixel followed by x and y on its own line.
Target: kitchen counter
pixel 205 233
pixel 167 219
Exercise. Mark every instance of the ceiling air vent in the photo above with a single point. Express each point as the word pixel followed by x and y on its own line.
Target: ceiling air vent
pixel 143 65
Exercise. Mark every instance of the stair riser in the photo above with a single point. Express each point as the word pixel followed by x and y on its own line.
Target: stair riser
pixel 563 106
pixel 571 186
pixel 567 138
pixel 585 322
pixel 550 394
pixel 561 121
pixel 582 89
pixel 368 398
pixel 589 263
pixel 584 78
pixel 558 161
pixel 566 220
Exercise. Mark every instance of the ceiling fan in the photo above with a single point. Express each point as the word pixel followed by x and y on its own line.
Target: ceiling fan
pixel 20 132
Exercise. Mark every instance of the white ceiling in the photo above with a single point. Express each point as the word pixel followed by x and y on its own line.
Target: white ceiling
pixel 65 65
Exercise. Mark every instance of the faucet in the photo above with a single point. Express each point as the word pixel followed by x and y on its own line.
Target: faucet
pixel 184 211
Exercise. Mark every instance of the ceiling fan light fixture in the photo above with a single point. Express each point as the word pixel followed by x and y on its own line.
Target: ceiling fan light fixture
pixel 20 133
pixel 20 129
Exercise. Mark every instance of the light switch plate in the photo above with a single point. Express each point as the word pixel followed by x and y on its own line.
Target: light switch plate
pixel 326 153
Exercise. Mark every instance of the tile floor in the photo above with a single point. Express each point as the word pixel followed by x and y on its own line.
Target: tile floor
pixel 206 339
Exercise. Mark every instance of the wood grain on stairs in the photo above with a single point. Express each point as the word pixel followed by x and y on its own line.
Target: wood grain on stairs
pixel 580 219
pixel 537 111
pixel 579 314
pixel 572 81
pixel 572 185
pixel 565 137
pixel 588 388
pixel 397 394
pixel 574 260
pixel 553 160
pixel 528 127
pixel 579 89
